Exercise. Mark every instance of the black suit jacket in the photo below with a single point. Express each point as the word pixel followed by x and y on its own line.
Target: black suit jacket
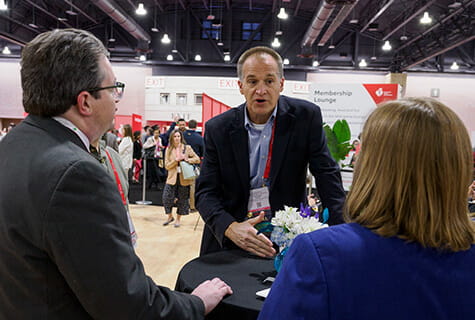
pixel 65 249
pixel 222 190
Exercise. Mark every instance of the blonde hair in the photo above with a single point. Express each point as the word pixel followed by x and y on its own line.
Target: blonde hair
pixel 412 175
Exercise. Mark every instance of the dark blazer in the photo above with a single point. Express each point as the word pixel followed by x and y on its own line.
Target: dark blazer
pixel 65 249
pixel 349 272
pixel 222 189
pixel 195 140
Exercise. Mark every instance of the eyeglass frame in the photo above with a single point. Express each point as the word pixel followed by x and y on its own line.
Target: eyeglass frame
pixel 117 94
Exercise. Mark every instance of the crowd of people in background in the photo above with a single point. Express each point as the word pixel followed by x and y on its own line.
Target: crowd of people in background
pixel 144 154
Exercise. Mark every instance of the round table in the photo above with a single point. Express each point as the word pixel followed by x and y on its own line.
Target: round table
pixel 245 274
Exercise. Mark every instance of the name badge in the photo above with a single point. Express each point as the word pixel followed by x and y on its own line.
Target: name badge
pixel 258 201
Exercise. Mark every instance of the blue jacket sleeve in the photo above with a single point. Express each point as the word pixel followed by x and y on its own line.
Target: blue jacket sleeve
pixel 300 290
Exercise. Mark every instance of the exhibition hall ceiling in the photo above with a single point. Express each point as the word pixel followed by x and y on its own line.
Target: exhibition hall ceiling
pixel 417 35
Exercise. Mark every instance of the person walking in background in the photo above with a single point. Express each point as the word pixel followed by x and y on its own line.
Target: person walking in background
pixel 408 251
pixel 126 148
pixel 137 156
pixel 176 185
pixel 195 140
pixel 152 148
pixel 65 249
pixel 256 155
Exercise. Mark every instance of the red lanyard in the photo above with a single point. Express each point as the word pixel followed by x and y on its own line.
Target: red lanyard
pixel 117 180
pixel 269 154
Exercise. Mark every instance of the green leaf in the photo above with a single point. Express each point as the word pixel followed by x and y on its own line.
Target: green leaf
pixel 342 131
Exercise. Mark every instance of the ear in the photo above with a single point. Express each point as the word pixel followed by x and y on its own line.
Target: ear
pixel 83 103
pixel 282 80
pixel 240 86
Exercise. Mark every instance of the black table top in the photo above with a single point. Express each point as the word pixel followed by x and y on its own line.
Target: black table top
pixel 242 271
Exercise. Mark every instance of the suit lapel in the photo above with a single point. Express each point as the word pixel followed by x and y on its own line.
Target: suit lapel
pixel 239 145
pixel 285 121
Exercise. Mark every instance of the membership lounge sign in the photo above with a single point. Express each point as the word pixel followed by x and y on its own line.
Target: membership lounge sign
pixel 352 102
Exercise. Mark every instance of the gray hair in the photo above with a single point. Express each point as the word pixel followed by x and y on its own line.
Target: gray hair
pixel 260 51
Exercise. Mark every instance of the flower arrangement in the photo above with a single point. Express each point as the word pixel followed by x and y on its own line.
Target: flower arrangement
pixel 289 223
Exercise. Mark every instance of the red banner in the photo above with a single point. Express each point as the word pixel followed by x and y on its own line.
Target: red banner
pixel 382 92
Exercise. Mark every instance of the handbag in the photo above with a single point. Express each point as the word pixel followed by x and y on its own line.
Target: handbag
pixel 189 170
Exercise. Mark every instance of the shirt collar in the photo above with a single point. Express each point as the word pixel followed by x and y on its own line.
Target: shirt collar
pixel 68 124
pixel 247 121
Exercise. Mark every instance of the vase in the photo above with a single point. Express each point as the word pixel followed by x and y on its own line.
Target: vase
pixel 279 259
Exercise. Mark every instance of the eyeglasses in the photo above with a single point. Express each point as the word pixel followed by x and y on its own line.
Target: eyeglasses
pixel 116 94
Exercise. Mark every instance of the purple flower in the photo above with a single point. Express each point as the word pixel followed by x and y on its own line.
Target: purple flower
pixel 305 211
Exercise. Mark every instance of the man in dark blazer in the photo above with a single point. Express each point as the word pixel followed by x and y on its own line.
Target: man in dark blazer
pixel 268 141
pixel 65 246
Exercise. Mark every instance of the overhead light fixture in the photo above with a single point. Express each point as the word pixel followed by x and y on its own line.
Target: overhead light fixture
pixel 62 19
pixel 373 58
pixel 166 39
pixel 220 43
pixel 426 19
pixel 315 63
pixel 142 57
pixel 353 21
pixel 154 29
pixel 33 25
pixel 197 57
pixel 455 5
pixel 174 50
pixel 286 61
pixel 282 14
pixel 6 50
pixel 363 63
pixel 332 46
pixel 169 57
pixel 454 65
pixel 71 12
pixel 275 43
pixel 227 57
pixel 3 5
pixel 278 33
pixel 386 46
pixel 141 10
pixel 111 39
pixel 403 38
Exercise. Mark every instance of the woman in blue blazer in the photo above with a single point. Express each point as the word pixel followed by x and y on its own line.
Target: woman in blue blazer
pixel 408 251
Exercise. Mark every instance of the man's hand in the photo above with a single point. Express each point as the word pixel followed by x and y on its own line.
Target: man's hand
pixel 244 235
pixel 212 292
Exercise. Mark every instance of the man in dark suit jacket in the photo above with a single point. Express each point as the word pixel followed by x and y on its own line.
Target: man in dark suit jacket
pixel 270 140
pixel 194 139
pixel 65 246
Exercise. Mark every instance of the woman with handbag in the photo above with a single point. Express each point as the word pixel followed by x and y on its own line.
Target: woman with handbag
pixel 177 187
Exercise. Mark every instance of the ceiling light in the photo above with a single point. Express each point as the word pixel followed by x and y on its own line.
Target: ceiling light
pixel 455 5
pixel 111 39
pixel 332 46
pixel 174 50
pixel 169 57
pixel 71 12
pixel 197 57
pixel 3 5
pixel 363 63
pixel 282 14
pixel 373 58
pixel 220 43
pixel 227 57
pixel 454 65
pixel 278 33
pixel 286 61
pixel 315 63
pixel 426 19
pixel 210 17
pixel 141 10
pixel 166 39
pixel 142 57
pixel 62 19
pixel 275 43
pixel 386 46
pixel 6 50
pixel 353 21
pixel 153 29
pixel 403 38
pixel 33 25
